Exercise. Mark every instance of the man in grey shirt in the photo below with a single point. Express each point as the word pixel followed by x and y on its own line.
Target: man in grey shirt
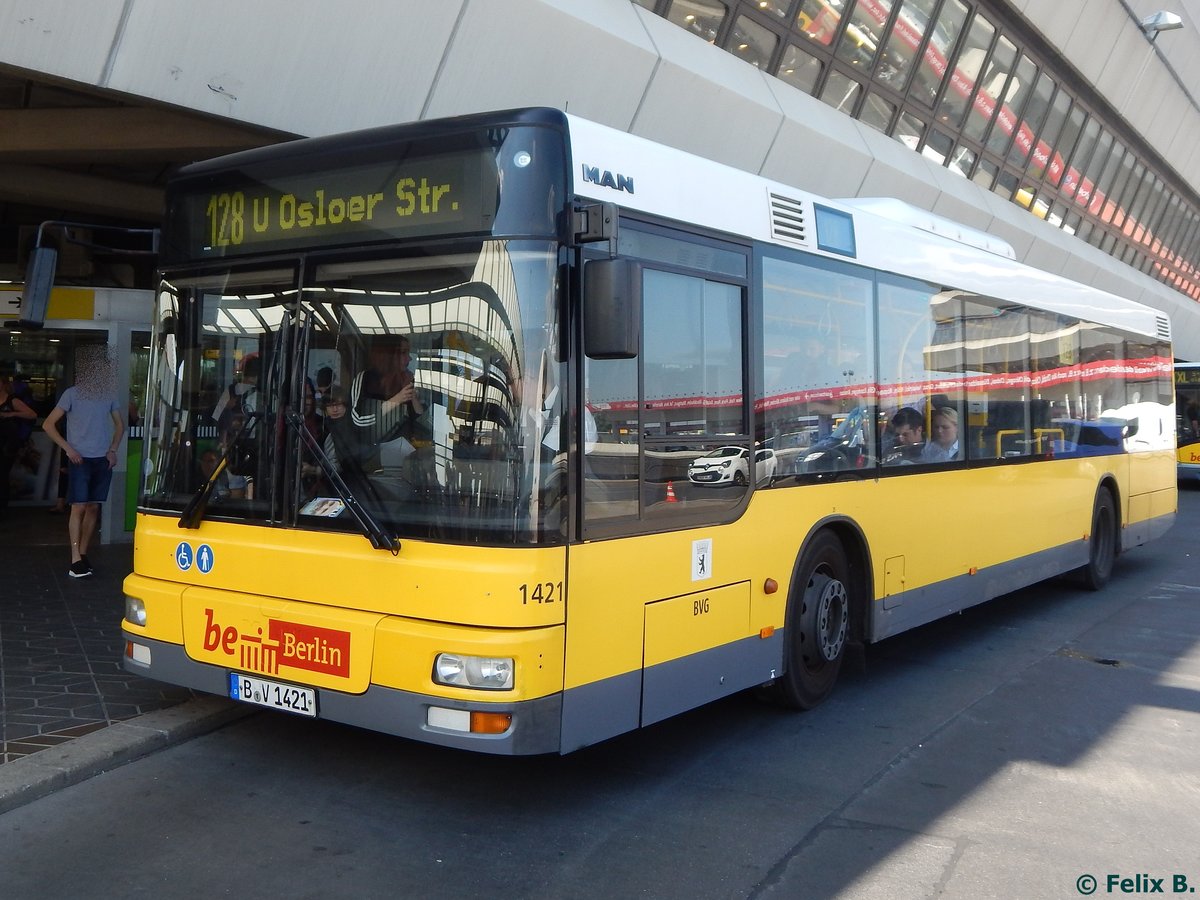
pixel 94 423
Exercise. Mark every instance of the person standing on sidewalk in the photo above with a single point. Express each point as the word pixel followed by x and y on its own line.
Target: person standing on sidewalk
pixel 95 425
pixel 14 415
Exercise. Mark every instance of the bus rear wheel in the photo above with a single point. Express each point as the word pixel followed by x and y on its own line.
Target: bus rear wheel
pixel 1102 544
pixel 818 626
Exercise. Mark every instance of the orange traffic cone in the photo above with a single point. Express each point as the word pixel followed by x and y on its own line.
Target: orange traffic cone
pixel 671 498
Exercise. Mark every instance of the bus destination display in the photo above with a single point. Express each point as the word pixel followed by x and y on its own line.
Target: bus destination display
pixel 342 206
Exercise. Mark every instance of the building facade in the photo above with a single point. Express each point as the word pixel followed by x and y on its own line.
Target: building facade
pixel 1064 128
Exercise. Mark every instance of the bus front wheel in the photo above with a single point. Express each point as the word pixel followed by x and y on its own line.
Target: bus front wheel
pixel 818 626
pixel 1102 543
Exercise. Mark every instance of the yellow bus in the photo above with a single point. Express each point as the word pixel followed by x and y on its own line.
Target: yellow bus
pixel 1187 420
pixel 513 432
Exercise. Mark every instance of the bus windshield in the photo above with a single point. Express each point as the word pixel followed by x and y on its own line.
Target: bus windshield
pixel 419 388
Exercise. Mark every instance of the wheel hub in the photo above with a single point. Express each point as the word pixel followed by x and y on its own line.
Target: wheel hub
pixel 832 619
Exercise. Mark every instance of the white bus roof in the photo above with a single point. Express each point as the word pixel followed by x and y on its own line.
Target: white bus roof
pixel 889 235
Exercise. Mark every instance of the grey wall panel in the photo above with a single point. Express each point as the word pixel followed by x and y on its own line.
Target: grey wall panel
pixel 1008 222
pixel 59 37
pixel 593 57
pixel 1090 46
pixel 707 102
pixel 811 133
pixel 1047 253
pixel 895 170
pixel 1057 20
pixel 957 198
pixel 329 69
pixel 1156 107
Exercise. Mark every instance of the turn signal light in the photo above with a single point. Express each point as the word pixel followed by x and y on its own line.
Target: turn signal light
pixel 490 722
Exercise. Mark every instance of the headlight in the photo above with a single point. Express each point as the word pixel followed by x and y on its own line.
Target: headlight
pixel 135 610
pixel 491 673
pixel 727 464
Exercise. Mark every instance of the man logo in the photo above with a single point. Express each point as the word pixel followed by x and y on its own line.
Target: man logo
pixel 607 179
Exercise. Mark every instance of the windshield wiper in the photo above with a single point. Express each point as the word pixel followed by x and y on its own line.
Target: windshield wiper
pixel 371 529
pixel 193 513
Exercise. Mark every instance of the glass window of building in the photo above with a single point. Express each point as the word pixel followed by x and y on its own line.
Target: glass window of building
pixel 702 18
pixel 934 68
pixel 967 67
pixel 1009 113
pixel 800 69
pixel 841 92
pixel 877 113
pixel 938 146
pixel 752 43
pixel 860 41
pixel 1029 132
pixel 994 89
pixel 909 130
pixel 1009 120
pixel 900 48
pixel 818 21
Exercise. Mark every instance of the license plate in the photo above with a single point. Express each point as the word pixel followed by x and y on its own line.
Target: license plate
pixel 273 694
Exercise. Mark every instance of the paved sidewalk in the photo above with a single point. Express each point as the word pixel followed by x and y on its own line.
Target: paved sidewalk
pixel 62 688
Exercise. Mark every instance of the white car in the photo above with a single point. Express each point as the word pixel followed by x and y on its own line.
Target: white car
pixel 731 465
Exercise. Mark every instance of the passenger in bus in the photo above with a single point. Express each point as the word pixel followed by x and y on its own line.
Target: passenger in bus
pixel 241 396
pixel 908 434
pixel 1192 417
pixel 314 424
pixel 340 439
pixel 324 384
pixel 384 400
pixel 227 485
pixel 944 446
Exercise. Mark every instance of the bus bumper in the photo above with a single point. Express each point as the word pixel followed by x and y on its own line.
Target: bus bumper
pixel 535 727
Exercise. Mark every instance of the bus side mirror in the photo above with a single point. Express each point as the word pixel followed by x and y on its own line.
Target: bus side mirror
pixel 612 308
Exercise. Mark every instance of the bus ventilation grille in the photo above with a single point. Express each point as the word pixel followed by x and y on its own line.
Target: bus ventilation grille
pixel 1164 328
pixel 787 219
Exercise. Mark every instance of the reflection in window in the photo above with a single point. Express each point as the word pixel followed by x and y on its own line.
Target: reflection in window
pixel 1079 160
pixel 863 33
pixel 1028 131
pixel 774 8
pixel 994 91
pixel 933 68
pixel 985 174
pixel 909 130
pixel 961 161
pixel 997 367
pixel 877 113
pixel 1049 138
pixel 938 146
pixel 919 355
pixel 702 18
pixel 799 69
pixel 692 350
pixel 895 60
pixel 841 92
pixel 213 387
pixel 818 20
pixel 682 441
pixel 967 68
pixel 1007 187
pixel 752 43
pixel 817 410
pixel 1008 120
